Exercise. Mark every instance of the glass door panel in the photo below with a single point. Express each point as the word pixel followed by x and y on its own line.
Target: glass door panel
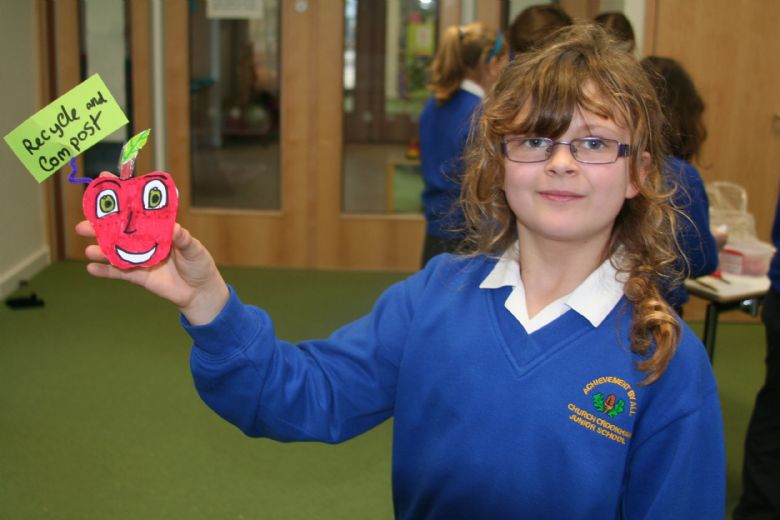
pixel 388 48
pixel 234 107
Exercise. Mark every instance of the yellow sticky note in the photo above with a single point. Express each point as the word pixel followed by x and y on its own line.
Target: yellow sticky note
pixel 66 128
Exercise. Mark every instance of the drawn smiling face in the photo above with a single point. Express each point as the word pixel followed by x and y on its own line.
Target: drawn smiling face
pixel 133 218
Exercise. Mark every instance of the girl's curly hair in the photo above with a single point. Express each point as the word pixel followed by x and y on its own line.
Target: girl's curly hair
pixel 549 84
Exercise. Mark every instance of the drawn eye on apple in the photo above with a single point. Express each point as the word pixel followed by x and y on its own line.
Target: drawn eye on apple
pixel 133 218
pixel 107 203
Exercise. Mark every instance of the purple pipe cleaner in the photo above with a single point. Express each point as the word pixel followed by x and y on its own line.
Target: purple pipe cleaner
pixel 74 170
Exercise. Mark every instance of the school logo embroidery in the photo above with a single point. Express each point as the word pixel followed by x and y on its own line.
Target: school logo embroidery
pixel 611 397
pixel 612 406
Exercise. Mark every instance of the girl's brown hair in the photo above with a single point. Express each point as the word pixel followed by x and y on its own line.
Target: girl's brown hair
pixel 462 49
pixel 581 67
pixel 535 23
pixel 618 24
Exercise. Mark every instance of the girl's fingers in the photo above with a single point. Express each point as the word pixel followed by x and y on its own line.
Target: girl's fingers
pixel 94 253
pixel 180 236
pixel 85 229
pixel 105 271
pixel 189 248
pixel 100 270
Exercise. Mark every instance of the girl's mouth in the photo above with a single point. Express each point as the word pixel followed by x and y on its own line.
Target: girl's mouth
pixel 560 196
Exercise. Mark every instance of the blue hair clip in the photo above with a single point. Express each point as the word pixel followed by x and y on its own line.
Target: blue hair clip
pixel 496 48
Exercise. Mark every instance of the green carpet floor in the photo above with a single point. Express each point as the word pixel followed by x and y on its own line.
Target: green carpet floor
pixel 99 418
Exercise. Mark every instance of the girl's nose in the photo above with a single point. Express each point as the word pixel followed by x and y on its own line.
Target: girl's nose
pixel 561 160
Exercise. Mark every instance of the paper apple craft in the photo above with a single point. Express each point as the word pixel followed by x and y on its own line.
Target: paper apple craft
pixel 133 218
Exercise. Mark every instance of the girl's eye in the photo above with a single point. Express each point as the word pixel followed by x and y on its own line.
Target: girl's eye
pixel 107 203
pixel 155 195
pixel 534 142
pixel 592 143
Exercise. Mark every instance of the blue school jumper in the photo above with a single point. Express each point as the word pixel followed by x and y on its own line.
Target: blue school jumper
pixel 489 422
pixel 444 130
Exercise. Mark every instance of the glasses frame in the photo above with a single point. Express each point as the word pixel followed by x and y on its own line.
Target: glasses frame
pixel 623 150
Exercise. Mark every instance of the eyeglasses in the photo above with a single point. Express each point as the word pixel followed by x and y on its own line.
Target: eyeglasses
pixel 588 150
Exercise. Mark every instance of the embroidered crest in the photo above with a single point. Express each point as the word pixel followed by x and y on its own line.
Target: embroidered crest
pixel 610 398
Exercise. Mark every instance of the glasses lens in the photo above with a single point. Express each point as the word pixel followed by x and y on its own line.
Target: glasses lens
pixel 528 149
pixel 595 150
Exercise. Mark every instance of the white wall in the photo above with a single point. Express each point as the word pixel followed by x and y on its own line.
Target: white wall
pixel 23 245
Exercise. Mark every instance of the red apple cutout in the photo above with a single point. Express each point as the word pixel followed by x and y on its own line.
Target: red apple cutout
pixel 133 218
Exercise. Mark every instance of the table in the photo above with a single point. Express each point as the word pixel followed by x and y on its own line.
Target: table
pixel 728 293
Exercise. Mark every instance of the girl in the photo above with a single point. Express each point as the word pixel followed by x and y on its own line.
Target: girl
pixel 542 376
pixel 466 65
pixel 760 471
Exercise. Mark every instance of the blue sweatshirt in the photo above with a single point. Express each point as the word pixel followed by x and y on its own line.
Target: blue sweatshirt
pixel 489 422
pixel 444 130
pixel 774 267
pixel 694 236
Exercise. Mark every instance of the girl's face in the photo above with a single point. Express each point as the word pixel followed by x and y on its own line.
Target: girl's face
pixel 564 200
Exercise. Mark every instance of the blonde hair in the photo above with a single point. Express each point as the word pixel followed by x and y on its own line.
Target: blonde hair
pixel 462 49
pixel 549 84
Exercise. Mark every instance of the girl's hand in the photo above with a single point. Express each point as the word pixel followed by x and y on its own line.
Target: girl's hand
pixel 188 278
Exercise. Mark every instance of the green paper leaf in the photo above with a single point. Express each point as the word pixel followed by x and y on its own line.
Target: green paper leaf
pixel 133 146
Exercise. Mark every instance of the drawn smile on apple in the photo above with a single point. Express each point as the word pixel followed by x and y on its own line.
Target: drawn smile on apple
pixel 135 258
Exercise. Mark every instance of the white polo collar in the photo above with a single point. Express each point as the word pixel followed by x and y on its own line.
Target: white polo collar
pixel 473 87
pixel 593 299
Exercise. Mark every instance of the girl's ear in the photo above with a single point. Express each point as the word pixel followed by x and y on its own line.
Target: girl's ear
pixel 632 188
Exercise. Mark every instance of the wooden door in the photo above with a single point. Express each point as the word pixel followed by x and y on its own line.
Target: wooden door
pixel 732 51
pixel 276 237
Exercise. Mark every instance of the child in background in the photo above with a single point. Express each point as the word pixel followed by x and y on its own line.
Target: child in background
pixel 540 376
pixel 468 62
pixel 761 467
pixel 532 25
pixel 685 133
pixel 619 26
